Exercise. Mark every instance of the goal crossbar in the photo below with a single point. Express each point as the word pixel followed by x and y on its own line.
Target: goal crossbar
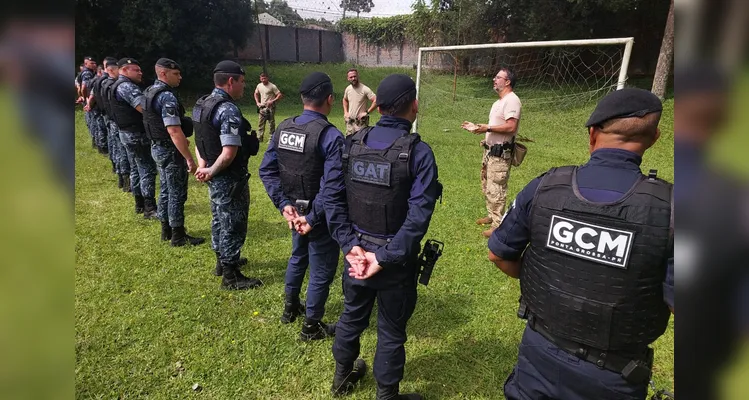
pixel 628 42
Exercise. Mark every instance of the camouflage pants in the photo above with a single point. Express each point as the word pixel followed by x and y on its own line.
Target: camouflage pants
pixel 98 128
pixel 142 167
pixel 87 117
pixel 495 172
pixel 354 125
pixel 117 150
pixel 173 191
pixel 266 115
pixel 230 206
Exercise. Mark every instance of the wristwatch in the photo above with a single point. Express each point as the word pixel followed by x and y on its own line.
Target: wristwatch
pixel 488 128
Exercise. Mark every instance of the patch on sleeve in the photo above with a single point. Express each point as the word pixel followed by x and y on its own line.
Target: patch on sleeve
pixel 170 110
pixel 233 128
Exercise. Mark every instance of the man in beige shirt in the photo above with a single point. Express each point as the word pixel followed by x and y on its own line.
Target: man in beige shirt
pixel 266 96
pixel 498 143
pixel 355 99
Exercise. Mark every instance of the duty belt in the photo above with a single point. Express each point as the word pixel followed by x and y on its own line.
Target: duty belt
pixel 634 371
pixel 372 239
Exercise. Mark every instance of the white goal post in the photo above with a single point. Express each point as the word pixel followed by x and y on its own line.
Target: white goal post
pixel 628 42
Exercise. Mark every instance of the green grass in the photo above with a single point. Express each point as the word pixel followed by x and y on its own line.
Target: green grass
pixel 142 306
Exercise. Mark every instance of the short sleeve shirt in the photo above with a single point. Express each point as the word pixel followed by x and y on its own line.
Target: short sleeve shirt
pixel 503 109
pixel 228 118
pixel 357 99
pixel 267 92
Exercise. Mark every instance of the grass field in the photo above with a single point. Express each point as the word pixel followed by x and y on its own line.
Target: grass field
pixel 151 320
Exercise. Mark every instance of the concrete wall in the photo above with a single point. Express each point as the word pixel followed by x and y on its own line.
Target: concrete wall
pixel 358 51
pixel 283 43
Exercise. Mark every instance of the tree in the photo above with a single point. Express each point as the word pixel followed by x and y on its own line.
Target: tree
pixel 357 6
pixel 195 33
pixel 665 58
pixel 280 9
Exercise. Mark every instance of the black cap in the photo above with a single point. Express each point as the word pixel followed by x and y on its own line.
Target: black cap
pixel 167 63
pixel 228 67
pixel 127 61
pixel 314 80
pixel 624 103
pixel 393 87
pixel 88 58
pixel 110 61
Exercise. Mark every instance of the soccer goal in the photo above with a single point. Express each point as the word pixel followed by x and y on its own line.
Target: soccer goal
pixel 558 82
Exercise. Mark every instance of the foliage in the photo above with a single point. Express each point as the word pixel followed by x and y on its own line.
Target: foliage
pixel 281 10
pixel 195 33
pixel 357 6
pixel 381 31
pixel 322 22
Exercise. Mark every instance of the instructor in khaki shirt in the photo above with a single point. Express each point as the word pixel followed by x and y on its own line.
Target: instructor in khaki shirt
pixel 499 133
pixel 355 99
pixel 266 95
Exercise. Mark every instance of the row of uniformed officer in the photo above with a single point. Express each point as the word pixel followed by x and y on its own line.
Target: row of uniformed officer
pixel 593 249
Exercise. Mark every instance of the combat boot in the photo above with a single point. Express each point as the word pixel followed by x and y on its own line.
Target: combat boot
pixel 484 221
pixel 149 209
pixel 139 201
pixel 346 377
pixel 233 279
pixel 316 330
pixel 126 183
pixel 166 231
pixel 292 309
pixel 120 181
pixel 181 238
pixel 392 393
pixel 219 269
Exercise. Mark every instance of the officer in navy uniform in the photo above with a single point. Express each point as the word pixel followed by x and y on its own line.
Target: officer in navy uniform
pixel 126 101
pixel 593 249
pixel 96 116
pixel 116 148
pixel 391 188
pixel 303 154
pixel 223 148
pixel 88 73
pixel 168 129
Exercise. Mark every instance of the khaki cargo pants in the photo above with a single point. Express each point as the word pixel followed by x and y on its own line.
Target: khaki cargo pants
pixel 266 114
pixel 495 172
pixel 355 125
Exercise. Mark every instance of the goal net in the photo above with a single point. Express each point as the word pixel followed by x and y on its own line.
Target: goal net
pixel 558 83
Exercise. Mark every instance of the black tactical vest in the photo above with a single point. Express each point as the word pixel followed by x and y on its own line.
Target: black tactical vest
pixel 96 88
pixel 593 272
pixel 378 182
pixel 208 141
pixel 106 87
pixel 299 161
pixel 126 117
pixel 154 124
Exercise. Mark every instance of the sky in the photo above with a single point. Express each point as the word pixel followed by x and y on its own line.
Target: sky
pixel 331 10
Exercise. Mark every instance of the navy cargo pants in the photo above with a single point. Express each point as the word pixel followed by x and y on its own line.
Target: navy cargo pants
pixel 545 371
pixel 320 252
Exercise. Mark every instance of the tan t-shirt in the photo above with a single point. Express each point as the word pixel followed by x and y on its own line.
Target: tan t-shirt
pixel 503 109
pixel 357 99
pixel 267 92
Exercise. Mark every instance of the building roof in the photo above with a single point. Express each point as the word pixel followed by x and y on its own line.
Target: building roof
pixel 267 19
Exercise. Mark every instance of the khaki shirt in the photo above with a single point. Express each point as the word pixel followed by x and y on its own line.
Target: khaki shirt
pixel 503 109
pixel 267 92
pixel 357 99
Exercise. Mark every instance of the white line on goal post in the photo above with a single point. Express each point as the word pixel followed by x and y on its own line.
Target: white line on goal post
pixel 628 42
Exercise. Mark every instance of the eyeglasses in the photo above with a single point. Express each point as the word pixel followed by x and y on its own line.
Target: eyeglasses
pixel 500 77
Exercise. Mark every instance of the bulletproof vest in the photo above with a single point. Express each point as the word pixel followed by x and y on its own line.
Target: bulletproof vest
pixel 378 182
pixel 593 272
pixel 154 124
pixel 126 117
pixel 96 87
pixel 299 162
pixel 208 141
pixel 106 86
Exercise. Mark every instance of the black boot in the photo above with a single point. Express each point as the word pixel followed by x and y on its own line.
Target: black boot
pixel 181 238
pixel 219 269
pixel 346 377
pixel 316 330
pixel 126 183
pixel 149 209
pixel 139 204
pixel 166 231
pixel 120 181
pixel 292 309
pixel 391 393
pixel 234 280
